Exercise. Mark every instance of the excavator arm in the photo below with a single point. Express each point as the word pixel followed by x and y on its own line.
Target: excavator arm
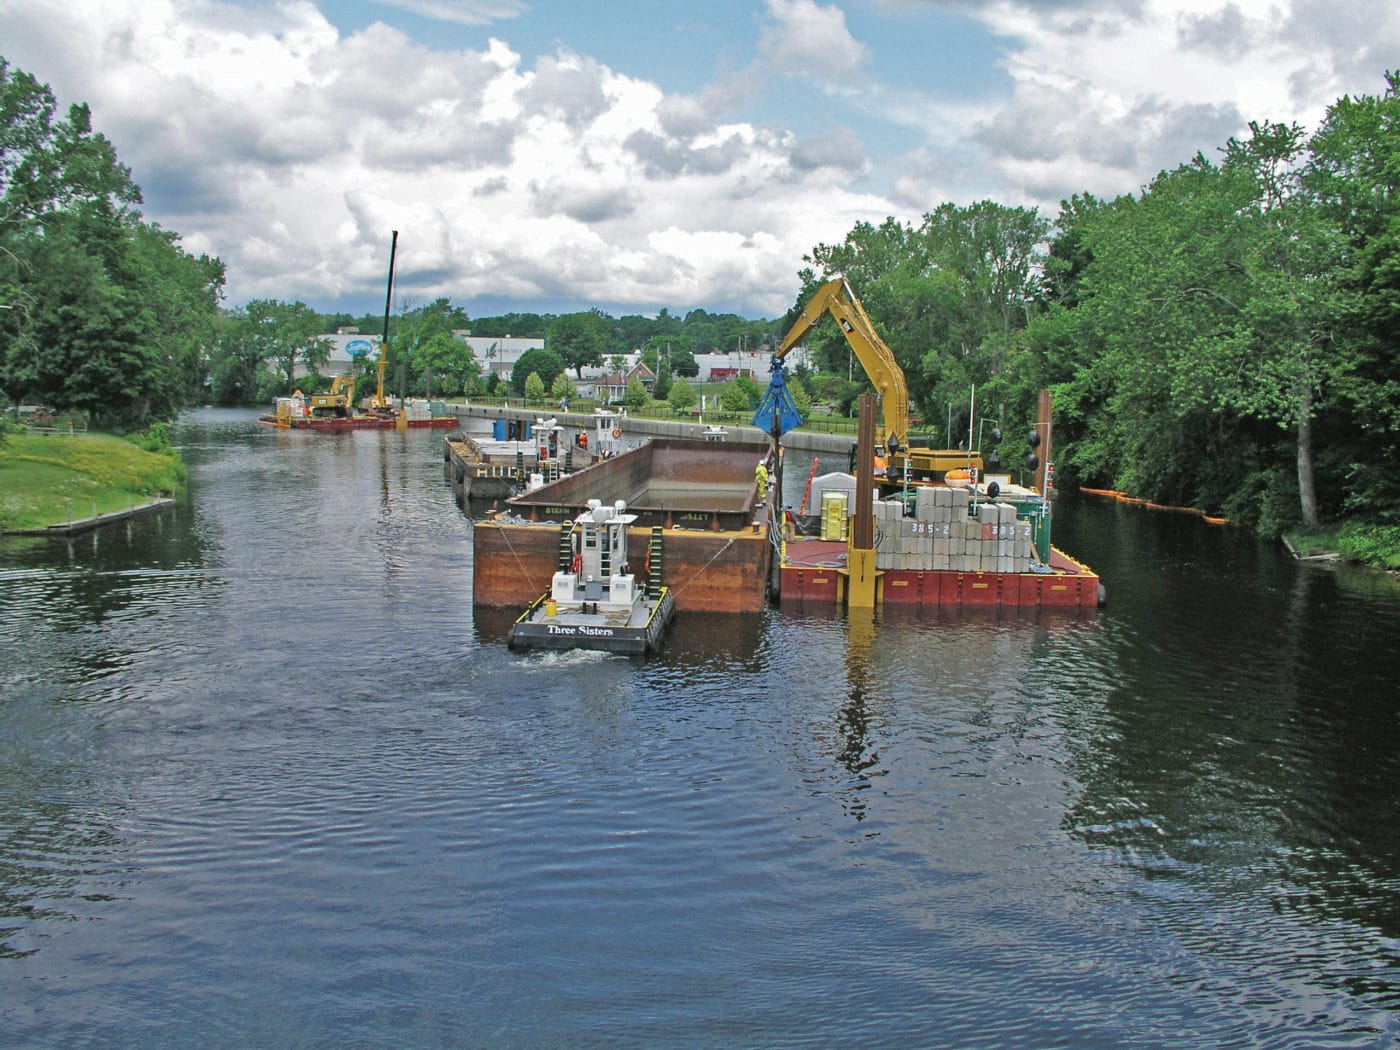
pixel 836 298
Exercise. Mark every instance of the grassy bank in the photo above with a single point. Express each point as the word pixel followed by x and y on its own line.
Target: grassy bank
pixel 1375 545
pixel 47 478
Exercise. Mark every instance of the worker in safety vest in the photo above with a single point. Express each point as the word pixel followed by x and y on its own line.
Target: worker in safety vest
pixel 760 477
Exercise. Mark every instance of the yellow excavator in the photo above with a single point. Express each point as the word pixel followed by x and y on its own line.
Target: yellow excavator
pixel 902 463
pixel 339 403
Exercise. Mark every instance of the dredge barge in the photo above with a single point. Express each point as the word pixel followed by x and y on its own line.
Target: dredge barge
pixel 916 526
pixel 335 410
pixel 921 526
pixel 977 545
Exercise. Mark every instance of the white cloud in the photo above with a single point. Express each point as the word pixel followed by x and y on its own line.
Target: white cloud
pixel 267 138
pixel 1104 95
pixel 806 39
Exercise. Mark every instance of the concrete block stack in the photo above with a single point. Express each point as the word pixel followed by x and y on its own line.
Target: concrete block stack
pixel 946 533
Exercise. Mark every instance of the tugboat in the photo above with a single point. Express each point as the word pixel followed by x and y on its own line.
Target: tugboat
pixel 595 602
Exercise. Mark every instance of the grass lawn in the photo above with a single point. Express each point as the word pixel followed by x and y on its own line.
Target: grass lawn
pixel 45 478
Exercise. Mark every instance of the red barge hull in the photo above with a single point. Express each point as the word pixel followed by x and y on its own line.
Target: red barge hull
pixel 823 582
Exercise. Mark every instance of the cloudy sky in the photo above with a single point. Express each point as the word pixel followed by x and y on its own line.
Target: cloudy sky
pixel 556 155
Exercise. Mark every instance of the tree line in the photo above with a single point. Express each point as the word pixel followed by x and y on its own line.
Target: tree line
pixel 264 345
pixel 100 310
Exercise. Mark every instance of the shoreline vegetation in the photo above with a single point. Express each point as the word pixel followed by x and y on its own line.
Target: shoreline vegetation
pixel 1356 542
pixel 47 479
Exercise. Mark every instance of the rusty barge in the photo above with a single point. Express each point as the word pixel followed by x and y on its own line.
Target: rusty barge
pixel 699 510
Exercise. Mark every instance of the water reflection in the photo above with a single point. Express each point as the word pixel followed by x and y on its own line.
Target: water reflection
pixel 1247 745
pixel 855 751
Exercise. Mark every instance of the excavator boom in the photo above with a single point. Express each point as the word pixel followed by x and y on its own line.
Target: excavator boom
pixel 836 298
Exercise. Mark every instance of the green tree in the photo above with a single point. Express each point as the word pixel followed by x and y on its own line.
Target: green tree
pixel 234 361
pixel 425 343
pixel 534 388
pixel 681 397
pixel 801 400
pixel 562 389
pixel 542 362
pixel 734 396
pixel 447 364
pixel 1284 342
pixel 1217 299
pixel 628 332
pixel 519 325
pixel 579 339
pixel 636 397
pixel 1354 174
pixel 106 313
pixel 296 338
pixel 952 298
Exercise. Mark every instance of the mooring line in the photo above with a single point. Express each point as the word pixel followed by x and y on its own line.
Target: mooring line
pixel 677 590
pixel 516 556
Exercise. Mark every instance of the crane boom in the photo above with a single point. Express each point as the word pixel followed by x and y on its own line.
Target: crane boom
pixel 379 403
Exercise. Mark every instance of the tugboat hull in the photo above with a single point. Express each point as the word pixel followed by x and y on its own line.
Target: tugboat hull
pixel 637 632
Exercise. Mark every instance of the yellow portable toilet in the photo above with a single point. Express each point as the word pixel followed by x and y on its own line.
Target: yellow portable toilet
pixel 835 519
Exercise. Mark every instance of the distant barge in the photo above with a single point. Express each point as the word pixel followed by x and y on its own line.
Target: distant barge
pixel 293 413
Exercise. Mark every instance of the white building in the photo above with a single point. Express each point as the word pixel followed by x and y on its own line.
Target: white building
pixel 346 345
pixel 498 353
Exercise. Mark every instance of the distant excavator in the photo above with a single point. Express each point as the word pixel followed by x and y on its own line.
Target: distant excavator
pixel 901 462
pixel 339 403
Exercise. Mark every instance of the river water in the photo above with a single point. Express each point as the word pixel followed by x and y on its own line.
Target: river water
pixel 266 780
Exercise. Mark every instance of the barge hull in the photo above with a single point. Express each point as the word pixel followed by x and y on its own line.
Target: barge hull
pixel 706 571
